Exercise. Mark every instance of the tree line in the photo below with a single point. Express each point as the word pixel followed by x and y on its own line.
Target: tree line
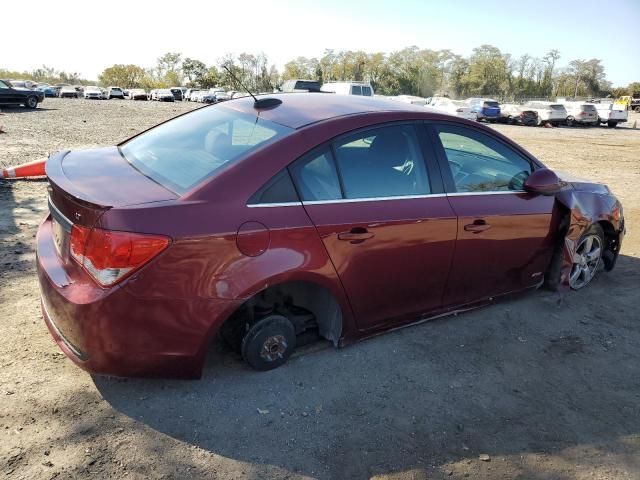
pixel 412 71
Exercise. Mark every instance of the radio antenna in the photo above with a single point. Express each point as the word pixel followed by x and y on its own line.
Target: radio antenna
pixel 257 103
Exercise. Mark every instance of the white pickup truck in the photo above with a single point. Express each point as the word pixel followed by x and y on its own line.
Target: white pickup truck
pixel 610 113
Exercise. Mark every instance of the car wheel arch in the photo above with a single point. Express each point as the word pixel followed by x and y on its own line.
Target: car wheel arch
pixel 309 295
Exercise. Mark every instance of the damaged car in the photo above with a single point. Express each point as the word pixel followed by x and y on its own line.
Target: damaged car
pixel 276 221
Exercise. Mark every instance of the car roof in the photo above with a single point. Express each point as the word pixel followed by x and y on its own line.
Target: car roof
pixel 300 109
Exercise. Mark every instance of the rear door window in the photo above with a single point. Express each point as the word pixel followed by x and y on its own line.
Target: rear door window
pixel 316 177
pixel 382 162
pixel 479 163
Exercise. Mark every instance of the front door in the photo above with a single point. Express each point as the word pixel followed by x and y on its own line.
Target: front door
pixel 505 235
pixel 388 232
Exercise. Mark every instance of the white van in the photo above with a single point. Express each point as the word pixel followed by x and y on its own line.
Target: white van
pixel 348 88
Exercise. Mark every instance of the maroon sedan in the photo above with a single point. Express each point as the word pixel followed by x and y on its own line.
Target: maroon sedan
pixel 300 216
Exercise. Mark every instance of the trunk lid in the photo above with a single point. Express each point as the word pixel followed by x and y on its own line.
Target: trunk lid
pixel 84 184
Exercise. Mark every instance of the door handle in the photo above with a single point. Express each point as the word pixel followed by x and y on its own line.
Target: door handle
pixel 477 226
pixel 356 235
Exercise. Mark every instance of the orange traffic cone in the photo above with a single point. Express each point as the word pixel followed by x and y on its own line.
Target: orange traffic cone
pixel 31 169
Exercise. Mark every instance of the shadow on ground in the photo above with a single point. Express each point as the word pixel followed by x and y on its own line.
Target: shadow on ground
pixel 538 374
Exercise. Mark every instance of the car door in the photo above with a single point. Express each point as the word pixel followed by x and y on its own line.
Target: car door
pixel 7 94
pixel 384 220
pixel 505 234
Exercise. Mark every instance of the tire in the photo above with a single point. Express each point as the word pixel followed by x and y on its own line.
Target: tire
pixel 570 122
pixel 32 102
pixel 587 257
pixel 637 109
pixel 269 343
pixel 612 124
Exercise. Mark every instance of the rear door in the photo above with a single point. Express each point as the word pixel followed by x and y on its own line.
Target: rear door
pixel 384 220
pixel 505 235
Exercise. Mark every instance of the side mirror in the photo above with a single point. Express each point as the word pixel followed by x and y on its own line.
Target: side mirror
pixel 543 182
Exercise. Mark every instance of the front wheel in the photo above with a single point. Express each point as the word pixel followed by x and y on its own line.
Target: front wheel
pixel 587 258
pixel 32 102
pixel 269 343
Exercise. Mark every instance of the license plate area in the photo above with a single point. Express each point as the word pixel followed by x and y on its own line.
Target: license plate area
pixel 61 231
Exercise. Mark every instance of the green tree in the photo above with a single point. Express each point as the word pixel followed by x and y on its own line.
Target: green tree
pixel 126 76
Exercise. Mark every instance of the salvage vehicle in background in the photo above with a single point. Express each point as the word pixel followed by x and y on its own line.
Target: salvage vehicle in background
pixel 299 85
pixel 301 216
pixel 48 90
pixel 452 107
pixel 164 95
pixel 348 88
pixel 581 113
pixel 611 114
pixel 93 92
pixel 517 114
pixel 484 108
pixel 137 94
pixel 10 95
pixel 548 112
pixel 177 93
pixel 115 92
pixel 69 92
pixel 189 94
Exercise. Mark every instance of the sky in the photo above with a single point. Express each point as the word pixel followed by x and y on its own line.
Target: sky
pixel 87 37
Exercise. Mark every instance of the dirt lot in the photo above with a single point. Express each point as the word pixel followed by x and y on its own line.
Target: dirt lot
pixel 547 387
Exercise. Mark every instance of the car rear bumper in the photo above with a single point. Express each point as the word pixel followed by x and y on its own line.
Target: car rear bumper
pixel 115 332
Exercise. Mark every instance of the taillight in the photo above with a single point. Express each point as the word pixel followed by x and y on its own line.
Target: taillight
pixel 110 256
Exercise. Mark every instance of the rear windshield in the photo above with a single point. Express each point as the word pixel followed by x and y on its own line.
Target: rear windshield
pixel 182 152
pixel 491 104
pixel 556 107
pixel 588 108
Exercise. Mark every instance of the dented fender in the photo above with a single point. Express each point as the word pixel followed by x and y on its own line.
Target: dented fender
pixel 586 204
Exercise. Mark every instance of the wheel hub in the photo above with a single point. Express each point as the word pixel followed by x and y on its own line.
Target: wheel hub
pixel 273 348
pixel 586 261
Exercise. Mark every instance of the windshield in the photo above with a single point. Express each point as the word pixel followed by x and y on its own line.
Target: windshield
pixel 181 153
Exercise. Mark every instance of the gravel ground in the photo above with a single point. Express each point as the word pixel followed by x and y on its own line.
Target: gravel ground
pixel 538 387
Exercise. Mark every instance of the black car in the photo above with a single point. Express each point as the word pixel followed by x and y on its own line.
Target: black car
pixel 19 96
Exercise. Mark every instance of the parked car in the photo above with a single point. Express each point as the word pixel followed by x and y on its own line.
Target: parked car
pixel 125 92
pixel 348 88
pixel 238 94
pixel 177 93
pixel 48 90
pixel 153 94
pixel 581 113
pixel 10 95
pixel 517 114
pixel 93 92
pixel 190 93
pixel 299 216
pixel 297 85
pixel 212 95
pixel 69 92
pixel 222 96
pixel 611 113
pixel 484 108
pixel 137 94
pixel 548 112
pixel 452 107
pixel 115 92
pixel 165 95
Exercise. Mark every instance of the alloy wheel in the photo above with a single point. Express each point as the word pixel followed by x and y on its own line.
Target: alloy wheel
pixel 586 261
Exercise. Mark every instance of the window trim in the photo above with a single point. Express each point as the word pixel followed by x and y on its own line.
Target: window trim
pixel 443 162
